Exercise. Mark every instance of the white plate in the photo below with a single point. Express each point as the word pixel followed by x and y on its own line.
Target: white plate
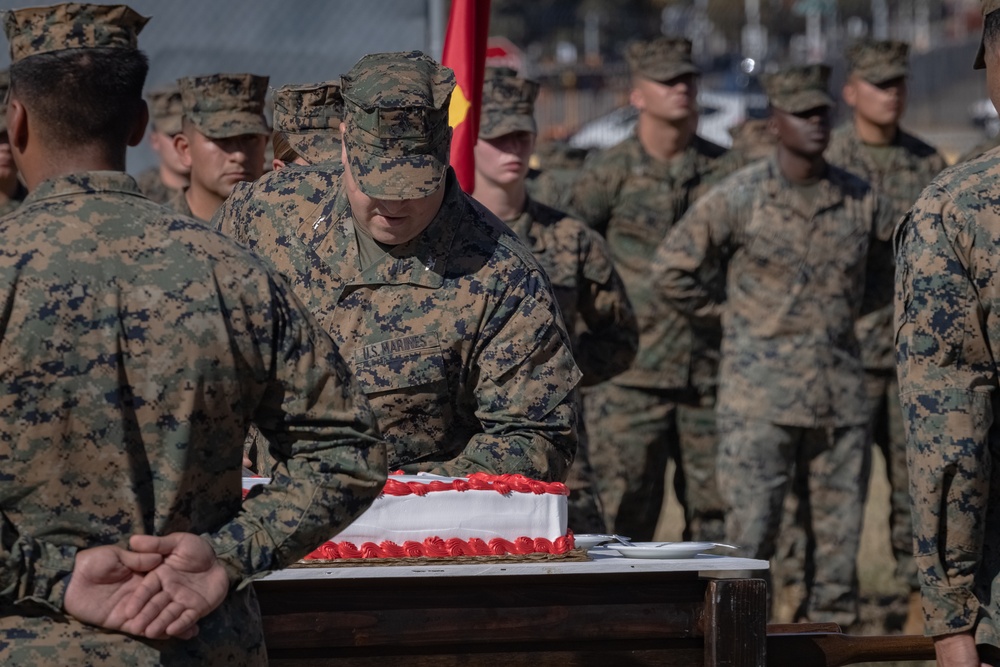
pixel 662 549
pixel 591 540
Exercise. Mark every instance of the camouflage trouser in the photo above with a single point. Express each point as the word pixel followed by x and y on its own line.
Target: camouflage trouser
pixel 757 460
pixel 889 436
pixel 633 434
pixel 585 515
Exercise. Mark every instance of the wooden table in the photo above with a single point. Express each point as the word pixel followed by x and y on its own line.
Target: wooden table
pixel 608 611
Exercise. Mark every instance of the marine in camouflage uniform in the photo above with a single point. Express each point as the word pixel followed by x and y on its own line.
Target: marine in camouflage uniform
pixel 899 166
pixel 663 406
pixel 12 190
pixel 223 138
pixel 556 166
pixel 139 346
pixel 947 293
pixel 576 259
pixel 446 319
pixel 791 383
pixel 307 123
pixel 165 113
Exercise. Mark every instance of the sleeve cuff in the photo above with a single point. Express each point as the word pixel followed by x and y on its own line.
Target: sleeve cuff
pixel 49 575
pixel 949 610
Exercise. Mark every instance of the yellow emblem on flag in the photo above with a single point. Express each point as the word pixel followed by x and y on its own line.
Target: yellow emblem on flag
pixel 459 107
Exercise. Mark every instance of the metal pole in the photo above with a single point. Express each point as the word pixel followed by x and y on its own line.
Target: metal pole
pixel 435 29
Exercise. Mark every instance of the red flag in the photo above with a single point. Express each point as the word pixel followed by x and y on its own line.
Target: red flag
pixel 465 53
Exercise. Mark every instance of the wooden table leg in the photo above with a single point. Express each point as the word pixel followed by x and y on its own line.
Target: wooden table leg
pixel 735 623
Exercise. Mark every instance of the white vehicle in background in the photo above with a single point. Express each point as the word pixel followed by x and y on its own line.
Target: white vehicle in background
pixel 718 111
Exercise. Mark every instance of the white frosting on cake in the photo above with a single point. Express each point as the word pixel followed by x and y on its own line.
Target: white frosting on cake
pixel 485 514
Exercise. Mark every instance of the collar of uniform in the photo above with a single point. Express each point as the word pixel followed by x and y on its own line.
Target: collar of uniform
pixel 421 261
pixel 679 170
pixel 781 190
pixel 87 182
pixel 523 224
pixel 858 148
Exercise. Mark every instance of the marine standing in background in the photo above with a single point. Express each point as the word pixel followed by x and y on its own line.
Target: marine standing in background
pixel 163 182
pixel 898 165
pixel 444 316
pixel 138 348
pixel 947 300
pixel 307 124
pixel 664 405
pixel 797 236
pixel 555 168
pixel 222 138
pixel 576 259
pixel 12 190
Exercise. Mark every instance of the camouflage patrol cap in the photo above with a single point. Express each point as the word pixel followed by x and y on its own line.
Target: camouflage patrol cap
pixel 166 109
pixel 35 30
pixel 989 6
pixel 396 124
pixel 4 88
pixel 799 88
pixel 309 116
pixel 508 104
pixel 661 59
pixel 225 105
pixel 878 61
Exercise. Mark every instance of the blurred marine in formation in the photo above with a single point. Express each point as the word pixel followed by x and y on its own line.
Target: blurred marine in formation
pixel 222 139
pixel 169 177
pixel 576 259
pixel 797 236
pixel 899 165
pixel 947 298
pixel 663 406
pixel 12 190
pixel 307 124
pixel 444 316
pixel 138 347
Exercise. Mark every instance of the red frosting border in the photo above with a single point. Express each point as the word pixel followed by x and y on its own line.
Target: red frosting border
pixel 477 481
pixel 436 547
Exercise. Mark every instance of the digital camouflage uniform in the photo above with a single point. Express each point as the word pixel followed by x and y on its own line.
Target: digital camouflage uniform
pixel 309 116
pixel 587 288
pixel 663 406
pixel 21 192
pixel 455 335
pixel 947 290
pixel 165 112
pixel 752 140
pixel 557 166
pixel 905 169
pixel 139 346
pixel 791 382
pixel 221 106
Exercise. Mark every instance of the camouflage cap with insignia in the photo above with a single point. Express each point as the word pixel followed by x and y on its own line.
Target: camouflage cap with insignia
pixel 508 103
pixel 798 88
pixel 989 6
pixel 396 124
pixel 661 59
pixel 166 109
pixel 36 30
pixel 4 89
pixel 225 105
pixel 878 61
pixel 309 116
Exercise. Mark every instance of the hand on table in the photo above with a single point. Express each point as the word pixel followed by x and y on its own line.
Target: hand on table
pixel 957 651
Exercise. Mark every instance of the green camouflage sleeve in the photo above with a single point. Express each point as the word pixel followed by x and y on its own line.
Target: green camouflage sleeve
pixel 33 570
pixel 329 461
pixel 946 376
pixel 227 218
pixel 610 341
pixel 690 253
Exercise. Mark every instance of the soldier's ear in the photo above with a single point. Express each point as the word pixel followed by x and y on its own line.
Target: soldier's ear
pixel 17 125
pixel 850 93
pixel 183 148
pixel 139 124
pixel 635 98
